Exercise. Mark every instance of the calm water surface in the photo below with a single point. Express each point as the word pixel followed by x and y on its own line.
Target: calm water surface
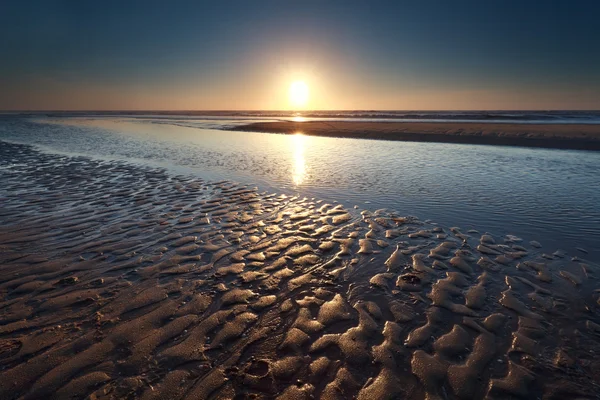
pixel 552 196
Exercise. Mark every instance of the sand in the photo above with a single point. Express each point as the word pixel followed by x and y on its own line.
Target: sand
pixel 119 281
pixel 562 136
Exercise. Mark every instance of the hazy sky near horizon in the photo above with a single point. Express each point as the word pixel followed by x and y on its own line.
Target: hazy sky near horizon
pixel 225 55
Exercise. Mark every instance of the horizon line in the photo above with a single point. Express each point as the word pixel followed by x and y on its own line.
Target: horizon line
pixel 288 111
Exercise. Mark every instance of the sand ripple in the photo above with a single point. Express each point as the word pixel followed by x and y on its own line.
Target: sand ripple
pixel 127 282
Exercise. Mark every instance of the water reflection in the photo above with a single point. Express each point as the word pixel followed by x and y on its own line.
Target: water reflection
pixel 298 162
pixel 440 181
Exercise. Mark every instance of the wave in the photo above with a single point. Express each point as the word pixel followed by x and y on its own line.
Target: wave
pixel 585 117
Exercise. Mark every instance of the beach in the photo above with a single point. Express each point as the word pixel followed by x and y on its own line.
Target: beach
pixel 561 136
pixel 125 281
pixel 299 200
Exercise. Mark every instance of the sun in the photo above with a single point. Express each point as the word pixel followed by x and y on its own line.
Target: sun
pixel 298 94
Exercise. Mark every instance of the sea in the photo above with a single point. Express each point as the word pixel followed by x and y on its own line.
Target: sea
pixel 548 195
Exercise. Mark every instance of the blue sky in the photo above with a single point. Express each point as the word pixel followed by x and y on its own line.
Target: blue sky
pixel 352 54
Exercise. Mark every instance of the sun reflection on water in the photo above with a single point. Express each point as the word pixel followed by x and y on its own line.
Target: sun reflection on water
pixel 298 162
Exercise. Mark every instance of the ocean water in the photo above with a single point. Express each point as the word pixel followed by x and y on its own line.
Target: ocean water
pixel 550 196
pixel 579 117
pixel 546 117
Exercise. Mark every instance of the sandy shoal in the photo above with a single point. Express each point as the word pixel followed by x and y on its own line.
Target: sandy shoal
pixel 570 136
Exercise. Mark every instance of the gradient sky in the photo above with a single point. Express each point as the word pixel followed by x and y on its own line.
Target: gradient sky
pixel 225 55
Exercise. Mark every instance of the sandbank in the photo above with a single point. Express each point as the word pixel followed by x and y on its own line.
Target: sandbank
pixel 562 136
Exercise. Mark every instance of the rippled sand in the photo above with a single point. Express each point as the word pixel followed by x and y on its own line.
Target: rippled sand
pixel 125 282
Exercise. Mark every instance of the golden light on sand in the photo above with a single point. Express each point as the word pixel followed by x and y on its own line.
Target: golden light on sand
pixel 298 94
pixel 298 162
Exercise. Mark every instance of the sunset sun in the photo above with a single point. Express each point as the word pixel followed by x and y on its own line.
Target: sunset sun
pixel 298 94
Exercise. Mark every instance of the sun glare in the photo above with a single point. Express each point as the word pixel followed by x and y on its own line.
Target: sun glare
pixel 298 94
pixel 298 162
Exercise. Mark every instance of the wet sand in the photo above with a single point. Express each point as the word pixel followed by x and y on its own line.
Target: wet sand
pixel 126 282
pixel 561 136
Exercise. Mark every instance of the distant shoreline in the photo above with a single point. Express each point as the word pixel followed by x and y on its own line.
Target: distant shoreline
pixel 556 136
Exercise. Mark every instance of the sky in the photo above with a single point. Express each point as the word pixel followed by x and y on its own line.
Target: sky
pixel 244 55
